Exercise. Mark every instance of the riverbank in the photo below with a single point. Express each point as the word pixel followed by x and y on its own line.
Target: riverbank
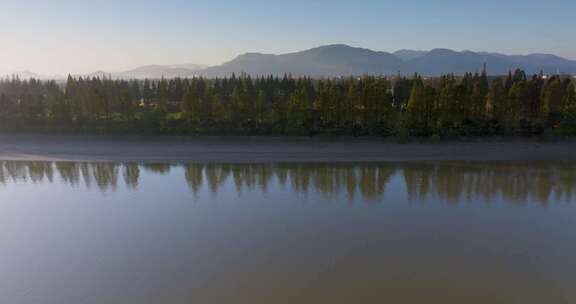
pixel 269 149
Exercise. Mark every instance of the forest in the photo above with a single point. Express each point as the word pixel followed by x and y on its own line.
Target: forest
pixel 449 106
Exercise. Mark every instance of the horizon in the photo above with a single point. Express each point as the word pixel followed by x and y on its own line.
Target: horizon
pixel 63 37
pixel 202 65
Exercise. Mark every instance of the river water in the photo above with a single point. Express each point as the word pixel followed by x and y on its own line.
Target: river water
pixel 430 232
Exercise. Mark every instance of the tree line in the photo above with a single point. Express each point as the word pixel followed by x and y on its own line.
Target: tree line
pixel 473 104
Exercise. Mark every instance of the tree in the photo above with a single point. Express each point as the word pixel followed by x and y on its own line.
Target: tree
pixel 568 123
pixel 497 103
pixel 449 114
pixel 298 105
pixel 163 96
pixel 420 107
pixel 147 93
pixel 518 95
pixel 189 105
pixel 127 104
pixel 479 94
pixel 552 95
pixel 260 106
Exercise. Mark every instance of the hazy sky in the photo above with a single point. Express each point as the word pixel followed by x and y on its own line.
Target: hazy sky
pixel 62 36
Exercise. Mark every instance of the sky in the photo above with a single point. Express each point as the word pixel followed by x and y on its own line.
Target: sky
pixel 63 36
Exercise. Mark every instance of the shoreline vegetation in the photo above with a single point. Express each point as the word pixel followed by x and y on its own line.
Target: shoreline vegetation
pixel 447 107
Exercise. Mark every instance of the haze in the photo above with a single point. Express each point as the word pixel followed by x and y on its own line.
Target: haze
pixel 59 37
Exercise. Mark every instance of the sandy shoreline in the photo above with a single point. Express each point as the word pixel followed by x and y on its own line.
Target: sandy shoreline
pixel 268 149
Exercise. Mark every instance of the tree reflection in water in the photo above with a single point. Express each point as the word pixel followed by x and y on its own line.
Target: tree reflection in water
pixel 449 181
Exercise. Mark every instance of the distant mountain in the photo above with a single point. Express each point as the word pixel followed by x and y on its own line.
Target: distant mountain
pixel 28 74
pixel 546 62
pixel 148 71
pixel 153 72
pixel 343 60
pixel 409 54
pixel 189 66
pixel 142 72
pixel 329 61
pixel 443 61
pixel 159 71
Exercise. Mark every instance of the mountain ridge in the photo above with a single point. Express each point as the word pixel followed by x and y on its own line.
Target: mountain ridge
pixel 329 61
pixel 339 60
pixel 343 60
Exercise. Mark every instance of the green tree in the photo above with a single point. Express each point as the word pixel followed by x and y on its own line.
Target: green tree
pixel 420 108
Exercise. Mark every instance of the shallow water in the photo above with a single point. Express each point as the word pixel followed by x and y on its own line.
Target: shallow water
pixel 441 232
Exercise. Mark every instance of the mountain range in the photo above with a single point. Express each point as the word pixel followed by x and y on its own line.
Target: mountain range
pixel 343 60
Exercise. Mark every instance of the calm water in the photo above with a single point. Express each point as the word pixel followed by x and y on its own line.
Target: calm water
pixel 444 232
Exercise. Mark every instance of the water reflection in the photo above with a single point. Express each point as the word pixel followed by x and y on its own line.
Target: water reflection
pixel 449 181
